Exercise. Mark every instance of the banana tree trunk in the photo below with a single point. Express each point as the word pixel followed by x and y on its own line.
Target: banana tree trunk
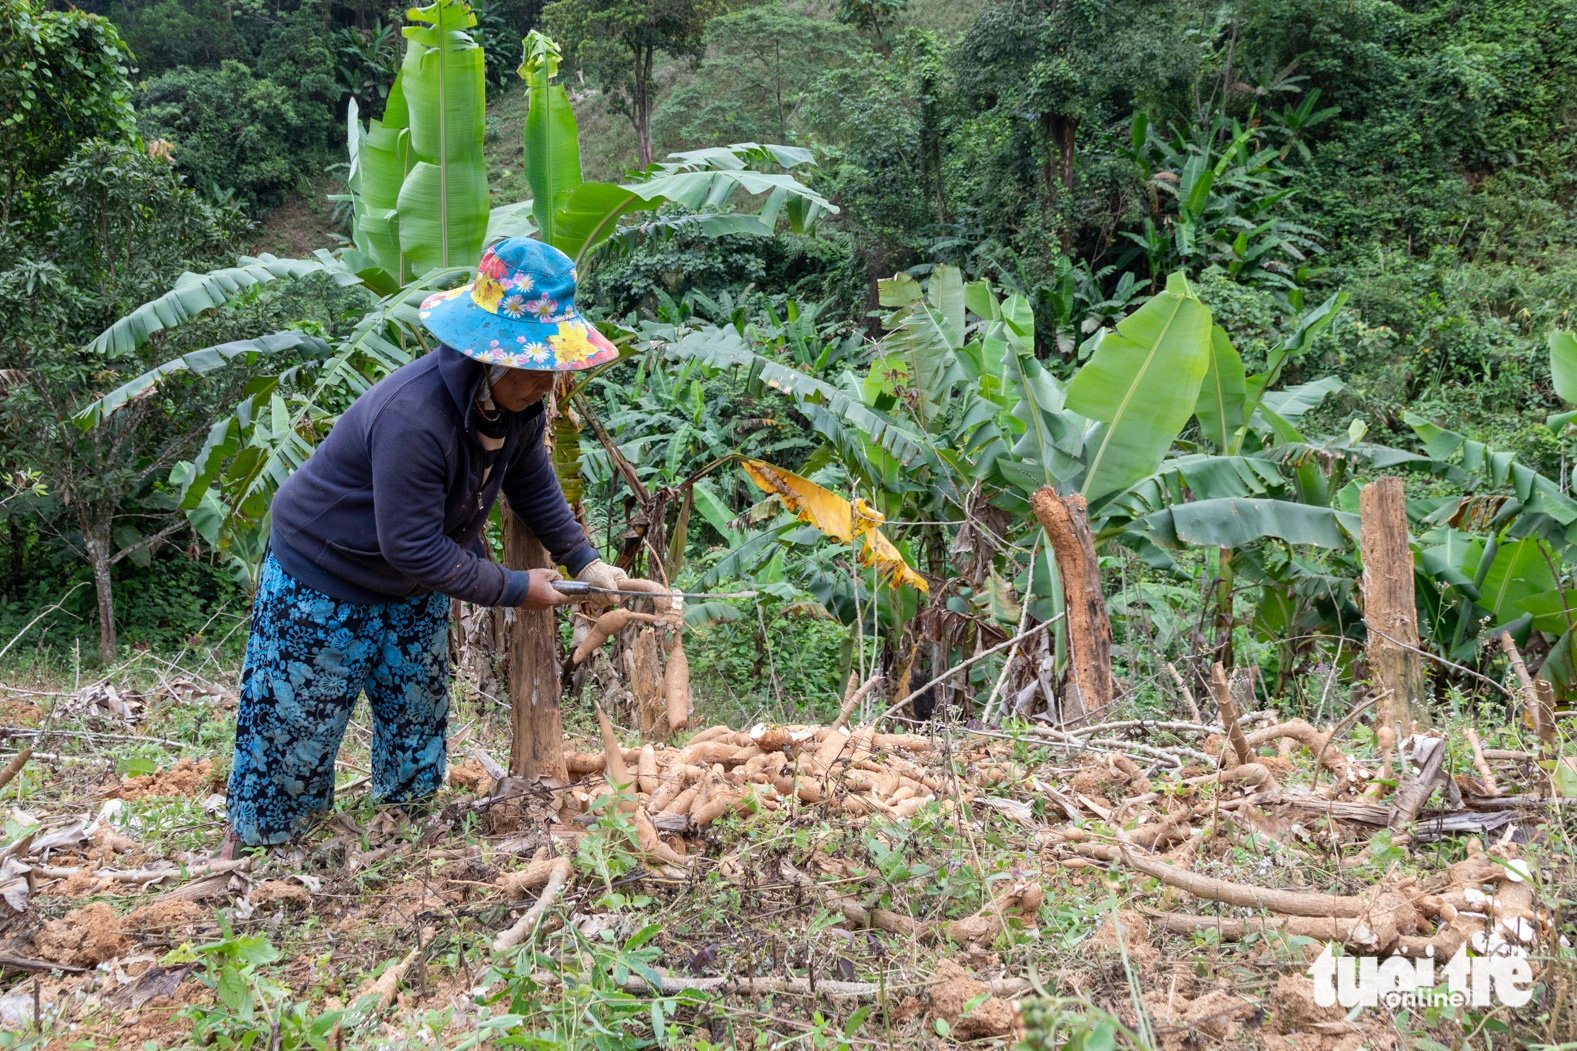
pixel 537 748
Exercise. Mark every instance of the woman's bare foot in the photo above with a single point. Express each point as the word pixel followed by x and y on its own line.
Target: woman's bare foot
pixel 232 844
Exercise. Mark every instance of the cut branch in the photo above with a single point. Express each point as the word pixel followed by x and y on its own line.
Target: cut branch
pixel 1480 764
pixel 212 868
pixel 1412 793
pixel 671 985
pixel 1229 713
pixel 15 766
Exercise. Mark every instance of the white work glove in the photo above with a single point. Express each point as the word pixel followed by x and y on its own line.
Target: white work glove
pixel 600 574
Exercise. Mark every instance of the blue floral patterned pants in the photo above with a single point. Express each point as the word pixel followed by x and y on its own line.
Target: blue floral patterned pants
pixel 307 660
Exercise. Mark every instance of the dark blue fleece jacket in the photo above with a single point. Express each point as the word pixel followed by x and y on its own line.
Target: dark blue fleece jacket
pixel 392 503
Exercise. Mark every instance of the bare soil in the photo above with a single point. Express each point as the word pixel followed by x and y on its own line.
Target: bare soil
pixel 188 777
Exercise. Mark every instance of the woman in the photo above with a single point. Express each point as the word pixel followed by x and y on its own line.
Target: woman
pixel 382 526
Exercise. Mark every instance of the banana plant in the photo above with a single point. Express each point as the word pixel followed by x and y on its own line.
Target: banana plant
pixel 1234 410
pixel 954 420
pixel 1510 550
pixel 420 216
pixel 579 217
pixel 1221 205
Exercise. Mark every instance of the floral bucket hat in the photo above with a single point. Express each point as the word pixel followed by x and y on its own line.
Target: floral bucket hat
pixel 519 311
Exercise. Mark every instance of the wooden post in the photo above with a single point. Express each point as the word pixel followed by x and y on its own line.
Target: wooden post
pixel 1544 720
pixel 1089 629
pixel 1390 611
pixel 537 748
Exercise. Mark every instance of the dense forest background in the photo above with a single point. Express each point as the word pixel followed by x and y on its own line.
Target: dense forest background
pixel 1418 156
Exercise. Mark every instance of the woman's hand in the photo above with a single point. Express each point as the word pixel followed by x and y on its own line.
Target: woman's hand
pixel 602 575
pixel 541 594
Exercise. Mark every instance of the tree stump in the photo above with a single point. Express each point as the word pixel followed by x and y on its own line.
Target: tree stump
pixel 1389 609
pixel 1089 629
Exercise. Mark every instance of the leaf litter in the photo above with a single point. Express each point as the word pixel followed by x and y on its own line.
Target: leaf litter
pixel 1097 874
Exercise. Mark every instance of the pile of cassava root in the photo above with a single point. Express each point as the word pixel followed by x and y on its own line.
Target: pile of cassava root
pixel 721 770
pixel 673 792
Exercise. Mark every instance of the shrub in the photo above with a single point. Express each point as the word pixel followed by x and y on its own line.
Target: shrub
pixel 231 131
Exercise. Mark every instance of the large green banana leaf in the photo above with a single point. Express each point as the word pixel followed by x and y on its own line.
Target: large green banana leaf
pixel 714 188
pixel 250 453
pixel 588 216
pixel 1237 522
pixel 723 348
pixel 195 293
pixel 1563 365
pixel 1047 451
pixel 241 352
pixel 380 158
pixel 926 329
pixel 1293 403
pixel 1538 494
pixel 443 202
pixel 1553 611
pixel 1520 571
pixel 552 156
pixel 1563 370
pixel 1142 384
pixel 1196 476
pixel 1309 328
pixel 1014 427
pixel 1222 394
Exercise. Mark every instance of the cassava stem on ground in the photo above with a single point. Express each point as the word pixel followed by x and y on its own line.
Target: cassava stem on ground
pixel 526 926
